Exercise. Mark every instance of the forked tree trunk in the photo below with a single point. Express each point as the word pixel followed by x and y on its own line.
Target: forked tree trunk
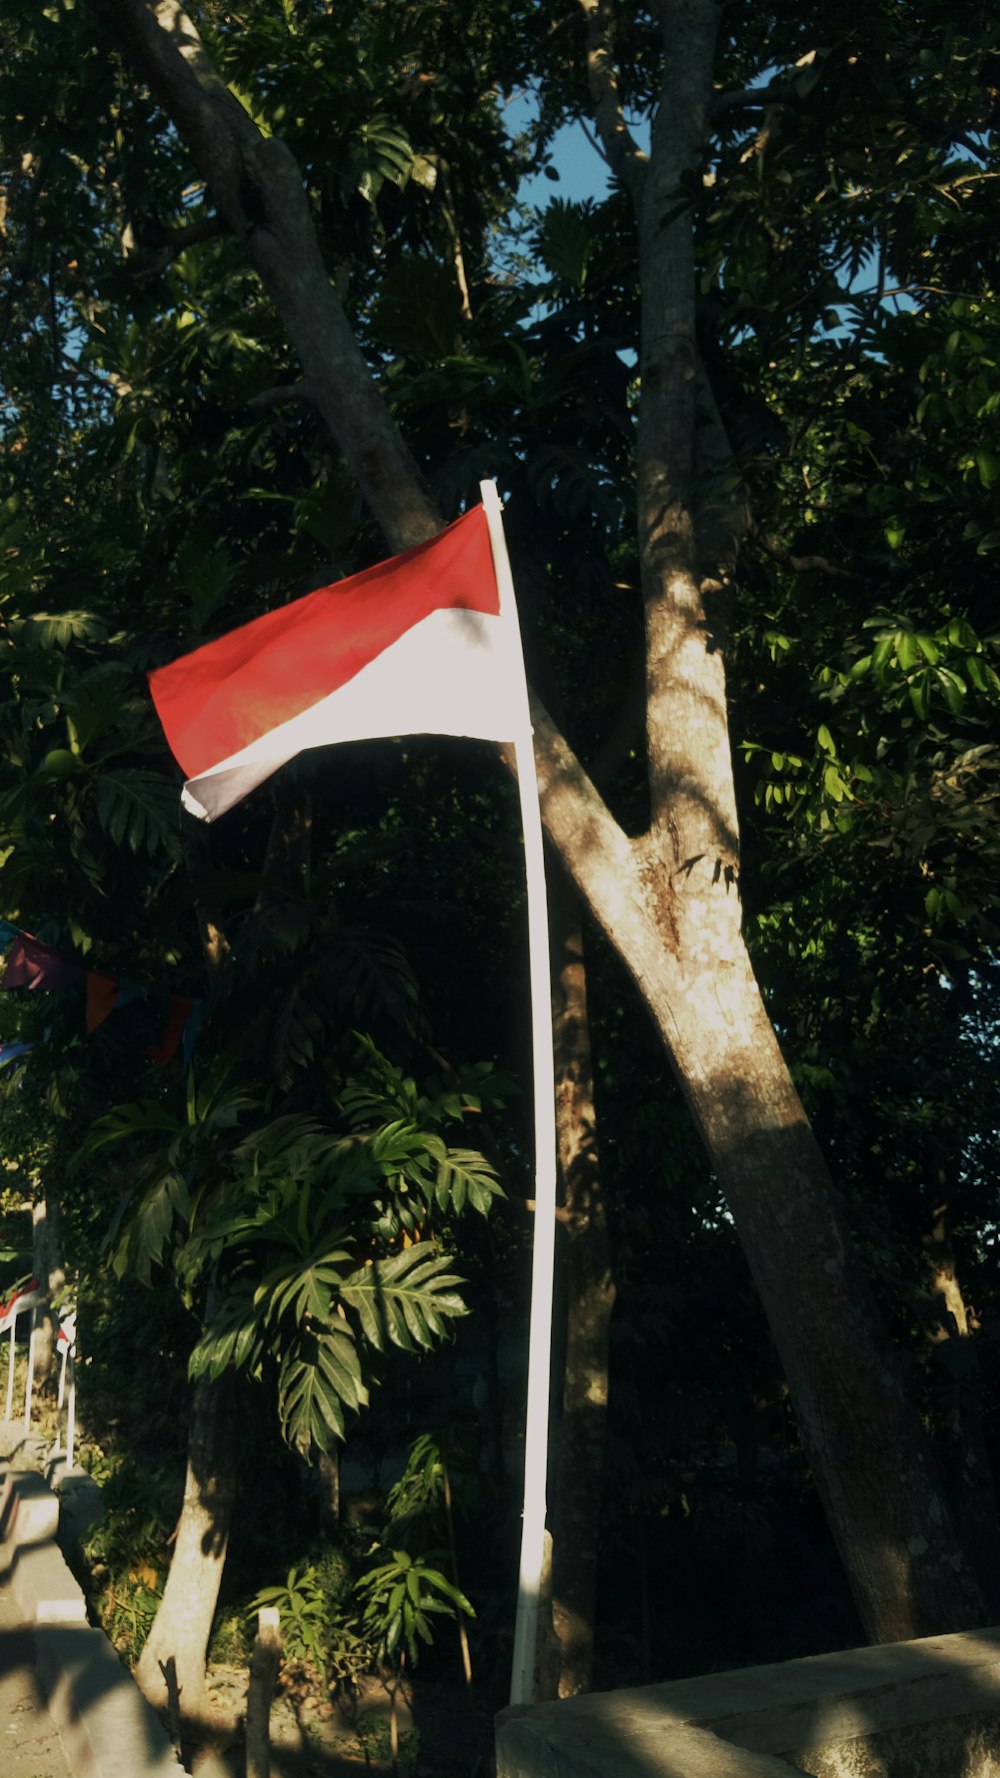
pixel 177 1646
pixel 671 905
pixel 578 1488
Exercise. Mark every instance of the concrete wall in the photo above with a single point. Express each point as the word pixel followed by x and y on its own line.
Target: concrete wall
pixel 106 1727
pixel 928 1709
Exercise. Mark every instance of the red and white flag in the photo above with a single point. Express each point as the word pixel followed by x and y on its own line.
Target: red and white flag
pixel 424 643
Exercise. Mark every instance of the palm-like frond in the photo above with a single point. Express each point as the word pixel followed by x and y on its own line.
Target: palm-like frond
pixel 302 1290
pixel 139 809
pixel 319 1377
pixel 406 1300
pixel 465 1176
pixel 142 1229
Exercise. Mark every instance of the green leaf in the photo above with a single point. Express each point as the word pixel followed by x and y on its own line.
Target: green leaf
pixel 302 1289
pixel 566 239
pixel 419 308
pixel 919 690
pixel 144 1117
pixel 405 1300
pixel 46 629
pixel 380 153
pixel 834 784
pixel 206 574
pixel 96 702
pixel 233 1338
pixel 907 651
pixel 989 467
pixel 146 1220
pixel 464 1175
pixel 141 810
pixel 318 1379
pixel 952 687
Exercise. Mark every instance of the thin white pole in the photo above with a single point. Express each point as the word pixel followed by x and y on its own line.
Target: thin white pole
pixel 71 1411
pixel 536 1438
pixel 66 1341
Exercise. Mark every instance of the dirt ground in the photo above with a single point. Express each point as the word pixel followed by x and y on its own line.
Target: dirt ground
pixel 445 1732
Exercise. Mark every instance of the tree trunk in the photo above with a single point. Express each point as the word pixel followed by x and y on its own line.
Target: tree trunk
pixel 328 1476
pixel 264 1664
pixel 47 1265
pixel 590 1295
pixel 676 920
pixel 183 1623
pixel 871 1461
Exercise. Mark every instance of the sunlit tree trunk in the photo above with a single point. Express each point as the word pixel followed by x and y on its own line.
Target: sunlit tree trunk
pixel 176 1649
pixel 47 1264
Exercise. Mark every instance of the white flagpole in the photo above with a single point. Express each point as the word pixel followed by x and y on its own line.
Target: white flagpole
pixel 522 1689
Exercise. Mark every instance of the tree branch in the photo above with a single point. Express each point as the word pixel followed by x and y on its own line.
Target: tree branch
pixel 258 189
pixel 298 394
pixel 803 564
pixel 259 192
pixel 751 98
pixel 690 772
pixel 625 157
pixel 165 243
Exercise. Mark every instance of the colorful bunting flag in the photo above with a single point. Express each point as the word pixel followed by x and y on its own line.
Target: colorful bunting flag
pixel 31 964
pixel 106 993
pixel 34 965
pixel 181 1010
pixel 9 1052
pixel 102 997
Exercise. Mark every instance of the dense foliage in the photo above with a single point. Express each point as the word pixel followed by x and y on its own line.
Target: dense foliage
pixel 164 479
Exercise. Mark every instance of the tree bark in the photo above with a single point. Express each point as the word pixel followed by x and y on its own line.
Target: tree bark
pixel 48 1269
pixel 871 1461
pixel 183 1624
pixel 669 901
pixel 590 1295
pixel 264 1664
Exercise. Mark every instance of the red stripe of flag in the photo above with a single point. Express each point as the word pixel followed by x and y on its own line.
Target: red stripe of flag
pixel 230 692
